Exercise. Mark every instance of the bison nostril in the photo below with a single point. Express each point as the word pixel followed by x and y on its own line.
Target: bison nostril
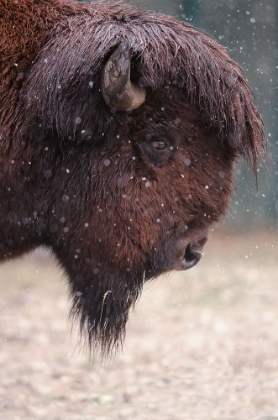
pixel 191 257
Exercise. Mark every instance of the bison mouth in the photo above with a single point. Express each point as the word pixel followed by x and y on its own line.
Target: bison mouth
pixel 102 303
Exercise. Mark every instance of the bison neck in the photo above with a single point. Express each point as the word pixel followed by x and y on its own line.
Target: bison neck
pixel 26 206
pixel 21 212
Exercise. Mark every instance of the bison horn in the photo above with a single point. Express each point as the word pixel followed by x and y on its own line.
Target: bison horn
pixel 116 87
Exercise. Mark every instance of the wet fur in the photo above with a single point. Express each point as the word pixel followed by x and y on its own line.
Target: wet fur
pixel 56 131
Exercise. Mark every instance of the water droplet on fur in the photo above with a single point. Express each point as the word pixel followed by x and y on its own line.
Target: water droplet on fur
pixel 106 162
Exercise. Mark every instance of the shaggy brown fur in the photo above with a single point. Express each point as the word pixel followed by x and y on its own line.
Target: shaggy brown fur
pixel 87 181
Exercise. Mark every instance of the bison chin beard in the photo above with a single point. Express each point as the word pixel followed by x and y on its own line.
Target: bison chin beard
pixel 101 305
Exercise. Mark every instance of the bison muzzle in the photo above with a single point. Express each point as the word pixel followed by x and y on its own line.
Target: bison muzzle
pixel 119 132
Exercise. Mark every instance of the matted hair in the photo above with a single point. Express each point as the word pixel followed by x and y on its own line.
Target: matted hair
pixel 165 51
pixel 57 95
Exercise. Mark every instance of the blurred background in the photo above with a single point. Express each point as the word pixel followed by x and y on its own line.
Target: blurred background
pixel 202 344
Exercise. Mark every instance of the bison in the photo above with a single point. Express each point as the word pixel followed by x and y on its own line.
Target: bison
pixel 119 132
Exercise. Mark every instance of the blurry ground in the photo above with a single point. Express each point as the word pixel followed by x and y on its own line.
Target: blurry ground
pixel 203 344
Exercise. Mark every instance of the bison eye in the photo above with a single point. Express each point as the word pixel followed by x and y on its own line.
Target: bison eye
pixel 158 149
pixel 159 144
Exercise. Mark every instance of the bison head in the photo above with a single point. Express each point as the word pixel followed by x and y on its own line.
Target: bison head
pixel 120 149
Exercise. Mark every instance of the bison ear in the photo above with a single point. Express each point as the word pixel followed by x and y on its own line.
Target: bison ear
pixel 116 87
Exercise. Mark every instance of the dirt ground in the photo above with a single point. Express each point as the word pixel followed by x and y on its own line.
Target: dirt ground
pixel 202 345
